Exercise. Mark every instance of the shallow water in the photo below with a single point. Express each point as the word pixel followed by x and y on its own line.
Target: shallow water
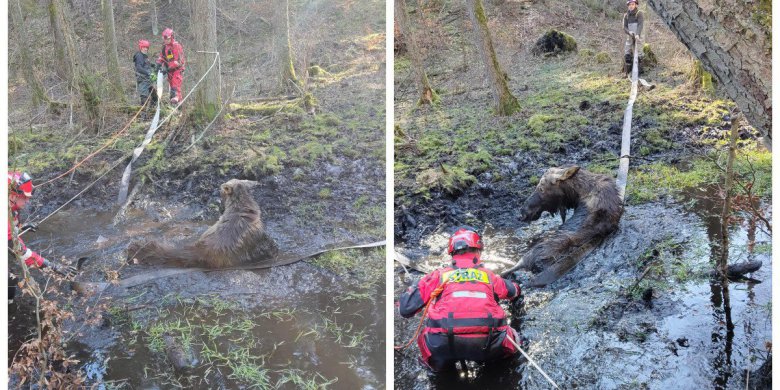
pixel 289 326
pixel 589 329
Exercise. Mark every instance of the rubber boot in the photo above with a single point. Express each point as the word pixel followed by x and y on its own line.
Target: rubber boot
pixel 628 64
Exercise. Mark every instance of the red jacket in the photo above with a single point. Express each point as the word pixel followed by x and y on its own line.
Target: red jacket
pixel 172 56
pixel 30 258
pixel 468 302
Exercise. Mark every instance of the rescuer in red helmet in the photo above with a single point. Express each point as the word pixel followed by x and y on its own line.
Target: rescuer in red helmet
pixel 465 321
pixel 20 191
pixel 172 59
pixel 143 73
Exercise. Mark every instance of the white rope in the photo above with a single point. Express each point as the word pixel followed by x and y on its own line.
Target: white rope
pixel 192 90
pixel 77 195
pixel 533 363
pixel 625 146
pixel 125 182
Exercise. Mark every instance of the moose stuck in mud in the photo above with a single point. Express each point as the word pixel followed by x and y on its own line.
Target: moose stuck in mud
pixel 597 210
pixel 237 238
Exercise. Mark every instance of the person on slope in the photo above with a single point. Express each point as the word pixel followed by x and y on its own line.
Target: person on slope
pixel 143 73
pixel 173 62
pixel 633 21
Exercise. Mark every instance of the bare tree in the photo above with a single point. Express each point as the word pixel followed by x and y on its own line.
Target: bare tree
pixel 38 94
pixel 427 94
pixel 109 37
pixel 79 81
pixel 505 103
pixel 63 68
pixel 204 32
pixel 284 55
pixel 155 31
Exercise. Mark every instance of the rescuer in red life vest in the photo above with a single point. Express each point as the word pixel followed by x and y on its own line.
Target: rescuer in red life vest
pixel 21 190
pixel 172 59
pixel 465 322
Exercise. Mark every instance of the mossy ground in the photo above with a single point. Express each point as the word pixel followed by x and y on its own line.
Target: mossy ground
pixel 572 113
pixel 319 159
pixel 229 340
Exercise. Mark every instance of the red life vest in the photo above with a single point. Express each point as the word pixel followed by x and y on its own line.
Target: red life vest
pixel 468 303
pixel 173 56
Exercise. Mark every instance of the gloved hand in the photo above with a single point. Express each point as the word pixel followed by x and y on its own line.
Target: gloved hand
pixel 64 270
pixel 33 227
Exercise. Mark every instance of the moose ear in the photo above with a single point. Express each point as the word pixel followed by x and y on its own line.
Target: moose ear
pixel 569 172
pixel 227 189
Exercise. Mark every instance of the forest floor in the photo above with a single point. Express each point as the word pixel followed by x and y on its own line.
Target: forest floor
pixel 322 185
pixel 456 164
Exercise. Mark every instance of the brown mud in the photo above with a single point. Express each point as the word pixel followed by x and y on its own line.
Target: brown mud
pixel 321 185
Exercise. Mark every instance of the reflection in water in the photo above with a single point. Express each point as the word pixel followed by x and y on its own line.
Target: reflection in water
pixel 587 331
pixel 292 326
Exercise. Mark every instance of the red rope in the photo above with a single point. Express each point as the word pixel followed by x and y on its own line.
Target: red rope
pixel 435 294
pixel 93 154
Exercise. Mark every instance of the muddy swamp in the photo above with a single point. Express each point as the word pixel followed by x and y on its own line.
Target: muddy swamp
pixel 644 288
pixel 271 152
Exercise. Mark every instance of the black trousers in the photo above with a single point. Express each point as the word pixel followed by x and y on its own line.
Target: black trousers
pixel 446 349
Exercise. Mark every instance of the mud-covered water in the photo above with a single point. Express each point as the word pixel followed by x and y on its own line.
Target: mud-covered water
pixel 288 327
pixel 592 329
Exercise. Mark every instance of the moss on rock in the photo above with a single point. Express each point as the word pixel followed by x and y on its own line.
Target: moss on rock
pixel 554 41
pixel 649 59
pixel 602 57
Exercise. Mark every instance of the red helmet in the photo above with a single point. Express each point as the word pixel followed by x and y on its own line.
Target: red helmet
pixel 21 183
pixel 167 33
pixel 465 237
pixel 143 43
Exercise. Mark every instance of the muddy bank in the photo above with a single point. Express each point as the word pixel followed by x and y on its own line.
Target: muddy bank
pixel 599 326
pixel 238 327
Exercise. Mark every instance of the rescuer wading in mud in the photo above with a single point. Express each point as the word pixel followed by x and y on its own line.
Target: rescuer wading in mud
pixel 465 321
pixel 20 191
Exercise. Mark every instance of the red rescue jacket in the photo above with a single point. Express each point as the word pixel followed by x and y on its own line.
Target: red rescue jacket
pixel 172 56
pixel 30 258
pixel 468 302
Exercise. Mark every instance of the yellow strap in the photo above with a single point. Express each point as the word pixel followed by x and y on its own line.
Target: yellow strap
pixel 466 275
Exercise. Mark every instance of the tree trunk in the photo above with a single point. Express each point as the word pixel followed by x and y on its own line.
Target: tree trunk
pixel 204 32
pixel 109 37
pixel 284 56
pixel 505 103
pixel 155 30
pixel 63 65
pixel 427 94
pixel 79 80
pixel 37 92
pixel 731 39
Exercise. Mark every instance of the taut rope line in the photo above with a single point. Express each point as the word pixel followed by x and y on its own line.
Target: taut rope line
pixel 625 145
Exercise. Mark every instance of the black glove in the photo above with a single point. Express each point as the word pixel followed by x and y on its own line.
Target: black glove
pixel 33 227
pixel 64 270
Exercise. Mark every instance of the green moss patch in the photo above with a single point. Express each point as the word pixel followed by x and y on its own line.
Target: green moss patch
pixel 554 41
pixel 452 180
pixel 650 182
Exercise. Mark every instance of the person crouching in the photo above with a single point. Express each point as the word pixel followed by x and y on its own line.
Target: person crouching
pixel 465 321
